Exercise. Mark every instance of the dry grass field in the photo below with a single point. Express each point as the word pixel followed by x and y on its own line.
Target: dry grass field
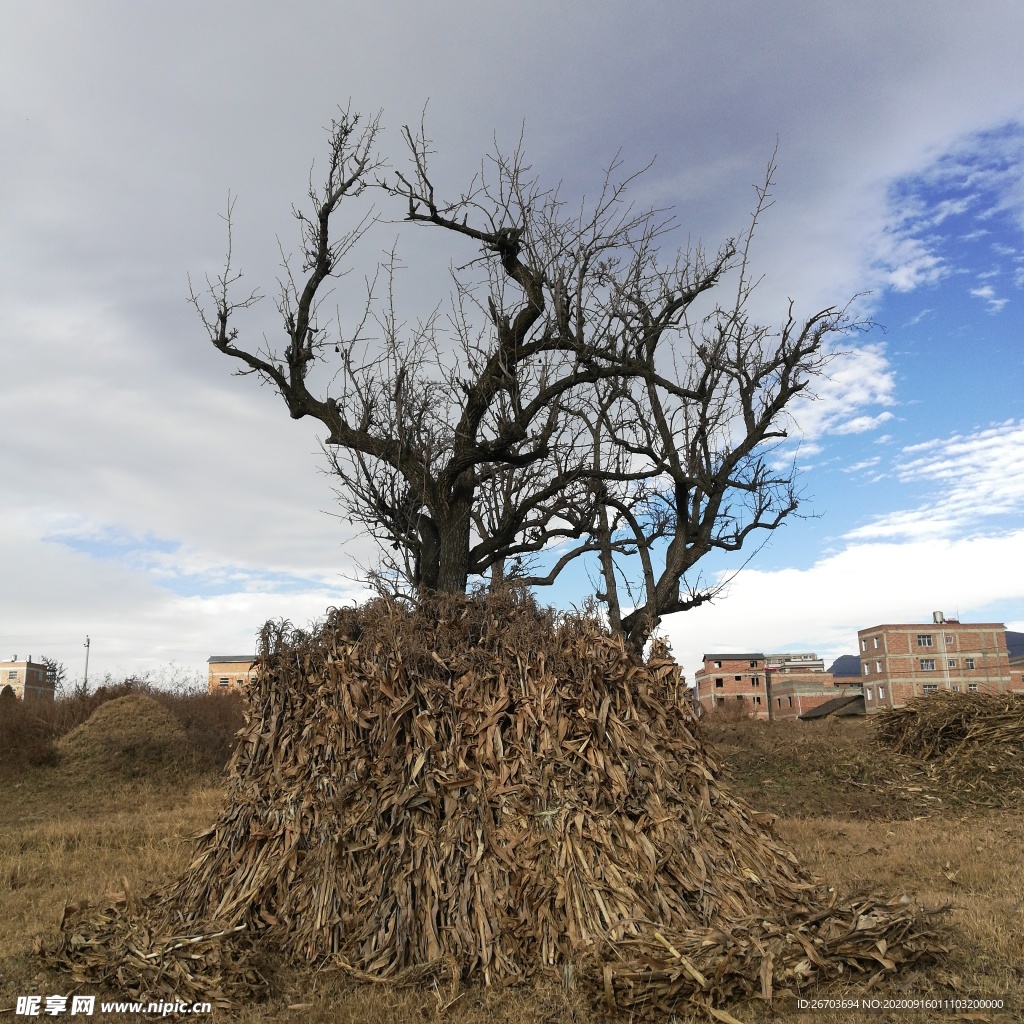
pixel 66 834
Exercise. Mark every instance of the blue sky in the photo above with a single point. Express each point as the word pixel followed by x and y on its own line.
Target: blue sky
pixel 167 508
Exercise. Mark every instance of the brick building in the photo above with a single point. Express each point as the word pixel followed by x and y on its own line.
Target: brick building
pixel 906 660
pixel 793 692
pixel 798 683
pixel 1016 663
pixel 732 677
pixel 229 672
pixel 27 679
pixel 803 662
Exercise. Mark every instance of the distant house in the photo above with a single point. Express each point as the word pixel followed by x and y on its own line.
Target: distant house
pixel 840 707
pixel 27 680
pixel 798 686
pixel 732 677
pixel 902 661
pixel 1016 663
pixel 229 672
pixel 897 662
pixel 803 662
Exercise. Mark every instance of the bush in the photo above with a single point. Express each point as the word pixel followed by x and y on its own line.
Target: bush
pixel 30 731
pixel 731 711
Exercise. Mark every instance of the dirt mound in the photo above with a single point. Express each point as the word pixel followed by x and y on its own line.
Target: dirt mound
pixel 123 735
pixel 974 742
pixel 477 791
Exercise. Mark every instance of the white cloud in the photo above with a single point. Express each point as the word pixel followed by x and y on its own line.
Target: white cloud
pixel 865 464
pixel 862 424
pixel 908 264
pixel 988 293
pixel 974 479
pixel 950 208
pixel 857 378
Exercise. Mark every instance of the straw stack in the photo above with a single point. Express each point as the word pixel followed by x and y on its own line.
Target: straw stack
pixel 475 790
pixel 973 742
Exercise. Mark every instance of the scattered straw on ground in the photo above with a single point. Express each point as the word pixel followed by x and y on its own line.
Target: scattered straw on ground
pixel 475 791
pixel 122 735
pixel 973 742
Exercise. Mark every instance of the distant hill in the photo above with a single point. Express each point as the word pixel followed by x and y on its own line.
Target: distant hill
pixel 1015 642
pixel 846 665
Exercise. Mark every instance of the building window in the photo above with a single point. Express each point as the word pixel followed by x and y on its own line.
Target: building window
pixel 863 645
pixel 927 664
pixel 12 674
pixel 755 681
pixel 739 696
pixel 968 663
pixel 240 681
pixel 753 664
pixel 224 682
pixel 949 638
pixel 867 693
pixel 719 683
pixel 881 693
pixel 779 699
pixel 757 699
pixel 790 701
pixel 865 670
pixel 956 688
pixel 875 638
pixel 718 664
pixel 951 662
pixel 878 666
pixel 972 687
pixel 924 640
pixel 931 688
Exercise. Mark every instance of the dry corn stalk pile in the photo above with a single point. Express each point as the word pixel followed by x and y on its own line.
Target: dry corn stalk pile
pixel 973 742
pixel 472 790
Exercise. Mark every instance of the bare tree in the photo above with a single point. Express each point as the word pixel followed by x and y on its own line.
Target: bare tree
pixel 56 674
pixel 570 400
pixel 699 420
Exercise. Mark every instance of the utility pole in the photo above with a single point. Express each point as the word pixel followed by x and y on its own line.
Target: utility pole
pixel 86 661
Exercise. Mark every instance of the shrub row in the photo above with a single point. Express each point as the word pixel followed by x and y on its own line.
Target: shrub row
pixel 30 730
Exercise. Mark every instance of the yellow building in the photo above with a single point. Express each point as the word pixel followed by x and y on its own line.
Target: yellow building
pixel 26 679
pixel 228 672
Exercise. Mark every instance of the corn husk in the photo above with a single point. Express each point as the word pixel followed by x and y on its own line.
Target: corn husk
pixel 973 743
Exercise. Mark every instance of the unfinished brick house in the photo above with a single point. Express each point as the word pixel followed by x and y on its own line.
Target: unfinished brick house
pixel 732 677
pixel 229 672
pixel 1017 673
pixel 798 684
pixel 906 660
pixel 27 679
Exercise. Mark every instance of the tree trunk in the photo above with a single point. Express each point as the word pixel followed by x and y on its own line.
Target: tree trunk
pixel 454 528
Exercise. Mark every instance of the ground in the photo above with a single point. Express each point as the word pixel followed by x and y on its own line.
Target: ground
pixel 853 815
